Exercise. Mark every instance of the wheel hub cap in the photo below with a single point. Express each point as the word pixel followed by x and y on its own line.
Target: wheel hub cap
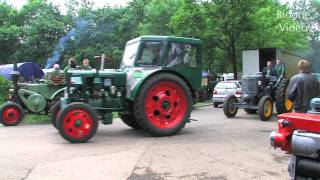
pixel 11 114
pixel 78 123
pixel 165 104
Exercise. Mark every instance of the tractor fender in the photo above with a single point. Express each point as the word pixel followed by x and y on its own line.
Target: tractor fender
pixel 134 89
pixel 57 93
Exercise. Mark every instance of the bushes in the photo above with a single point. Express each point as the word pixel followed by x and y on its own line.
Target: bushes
pixel 4 87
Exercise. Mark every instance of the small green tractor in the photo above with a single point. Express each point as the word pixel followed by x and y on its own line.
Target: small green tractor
pixel 259 92
pixel 32 98
pixel 153 90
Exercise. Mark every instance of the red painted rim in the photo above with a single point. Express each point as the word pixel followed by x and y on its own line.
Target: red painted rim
pixel 165 104
pixel 77 123
pixel 11 114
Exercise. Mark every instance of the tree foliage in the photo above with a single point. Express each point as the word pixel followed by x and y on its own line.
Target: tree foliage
pixel 40 32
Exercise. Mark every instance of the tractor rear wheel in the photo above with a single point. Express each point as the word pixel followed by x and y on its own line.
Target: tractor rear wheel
pixel 11 114
pixel 250 111
pixel 77 122
pixel 229 106
pixel 265 108
pixel 129 120
pixel 54 111
pixel 163 105
pixel 283 104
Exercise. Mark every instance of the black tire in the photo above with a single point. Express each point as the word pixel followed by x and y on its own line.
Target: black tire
pixel 129 120
pixel 264 110
pixel 250 111
pixel 229 107
pixel 54 111
pixel 11 114
pixel 281 97
pixel 215 104
pixel 63 118
pixel 139 104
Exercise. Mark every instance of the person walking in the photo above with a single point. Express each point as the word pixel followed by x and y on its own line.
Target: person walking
pixel 303 87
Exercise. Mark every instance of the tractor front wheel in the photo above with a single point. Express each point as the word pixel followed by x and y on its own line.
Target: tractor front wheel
pixel 163 105
pixel 11 114
pixel 77 122
pixel 230 108
pixel 54 111
pixel 265 108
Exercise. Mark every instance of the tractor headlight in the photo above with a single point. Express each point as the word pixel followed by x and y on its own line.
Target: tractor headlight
pixel 259 83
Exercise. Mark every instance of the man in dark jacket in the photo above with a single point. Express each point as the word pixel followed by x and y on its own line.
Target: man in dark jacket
pixel 269 70
pixel 303 87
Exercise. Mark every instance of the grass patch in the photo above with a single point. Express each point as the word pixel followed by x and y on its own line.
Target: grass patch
pixel 30 119
pixel 205 103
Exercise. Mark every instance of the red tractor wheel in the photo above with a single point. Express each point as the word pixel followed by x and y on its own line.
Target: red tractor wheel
pixel 77 122
pixel 163 105
pixel 11 114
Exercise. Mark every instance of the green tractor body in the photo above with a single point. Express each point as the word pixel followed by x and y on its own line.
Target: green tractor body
pixel 33 98
pixel 258 93
pixel 153 90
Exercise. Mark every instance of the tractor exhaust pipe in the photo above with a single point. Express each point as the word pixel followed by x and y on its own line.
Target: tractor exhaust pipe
pixel 15 75
pixel 102 60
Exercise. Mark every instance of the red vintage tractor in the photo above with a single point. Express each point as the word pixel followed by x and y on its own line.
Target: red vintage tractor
pixel 299 134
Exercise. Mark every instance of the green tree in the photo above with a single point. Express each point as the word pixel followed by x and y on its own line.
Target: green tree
pixel 10 32
pixel 307 13
pixel 42 29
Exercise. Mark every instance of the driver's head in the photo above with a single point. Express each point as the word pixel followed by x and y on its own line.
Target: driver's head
pixel 278 61
pixel 86 62
pixel 56 67
pixel 72 63
pixel 269 64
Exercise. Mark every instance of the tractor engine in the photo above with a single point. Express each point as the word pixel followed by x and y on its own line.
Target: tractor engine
pixel 252 86
pixel 299 135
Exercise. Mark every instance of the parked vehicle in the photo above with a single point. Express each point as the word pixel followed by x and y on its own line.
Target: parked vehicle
pixel 31 98
pixel 224 89
pixel 298 134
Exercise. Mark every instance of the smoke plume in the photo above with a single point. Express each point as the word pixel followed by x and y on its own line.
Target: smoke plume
pixel 80 25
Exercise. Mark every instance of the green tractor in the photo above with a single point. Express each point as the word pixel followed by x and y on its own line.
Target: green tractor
pixel 153 90
pixel 32 98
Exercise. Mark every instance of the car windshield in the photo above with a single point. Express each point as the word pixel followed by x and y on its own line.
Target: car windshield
pixel 226 85
pixel 130 53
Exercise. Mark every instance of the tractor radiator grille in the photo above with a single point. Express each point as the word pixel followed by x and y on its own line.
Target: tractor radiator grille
pixel 249 85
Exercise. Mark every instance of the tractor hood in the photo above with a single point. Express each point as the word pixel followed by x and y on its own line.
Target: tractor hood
pixel 118 76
